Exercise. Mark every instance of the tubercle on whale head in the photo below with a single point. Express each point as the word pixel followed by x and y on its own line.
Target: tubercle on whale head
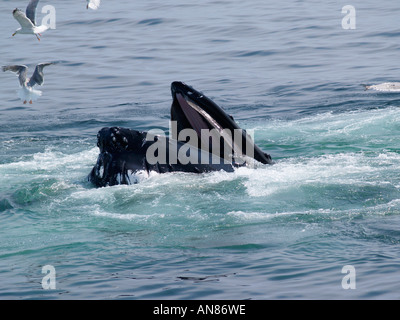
pixel 117 139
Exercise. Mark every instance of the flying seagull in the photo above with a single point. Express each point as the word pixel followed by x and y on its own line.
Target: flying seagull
pixel 93 4
pixel 27 92
pixel 27 21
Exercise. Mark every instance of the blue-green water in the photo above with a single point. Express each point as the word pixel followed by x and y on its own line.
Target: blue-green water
pixel 288 71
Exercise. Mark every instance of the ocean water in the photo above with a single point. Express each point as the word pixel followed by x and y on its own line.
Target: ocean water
pixel 288 70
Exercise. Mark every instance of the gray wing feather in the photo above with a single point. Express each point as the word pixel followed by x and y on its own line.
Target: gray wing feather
pixel 20 70
pixel 31 10
pixel 22 19
pixel 37 77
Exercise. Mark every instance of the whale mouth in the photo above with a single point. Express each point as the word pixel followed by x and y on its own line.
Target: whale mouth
pixel 186 110
pixel 195 115
pixel 191 109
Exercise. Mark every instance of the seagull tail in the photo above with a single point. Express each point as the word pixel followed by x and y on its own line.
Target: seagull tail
pixel 41 29
pixel 28 94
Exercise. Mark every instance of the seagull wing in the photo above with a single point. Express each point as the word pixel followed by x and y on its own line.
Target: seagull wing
pixel 31 10
pixel 20 70
pixel 22 19
pixel 37 77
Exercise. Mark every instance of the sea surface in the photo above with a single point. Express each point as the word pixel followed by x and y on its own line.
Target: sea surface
pixel 323 222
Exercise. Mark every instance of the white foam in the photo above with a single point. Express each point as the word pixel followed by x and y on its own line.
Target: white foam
pixel 348 127
pixel 126 216
pixel 385 87
pixel 50 160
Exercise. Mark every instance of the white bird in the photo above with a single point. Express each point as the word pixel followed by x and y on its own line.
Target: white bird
pixel 27 92
pixel 27 21
pixel 93 4
pixel 385 87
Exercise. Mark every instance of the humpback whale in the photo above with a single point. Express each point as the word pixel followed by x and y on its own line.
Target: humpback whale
pixel 203 138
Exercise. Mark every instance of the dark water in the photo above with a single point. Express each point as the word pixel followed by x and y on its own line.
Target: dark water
pixel 287 70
